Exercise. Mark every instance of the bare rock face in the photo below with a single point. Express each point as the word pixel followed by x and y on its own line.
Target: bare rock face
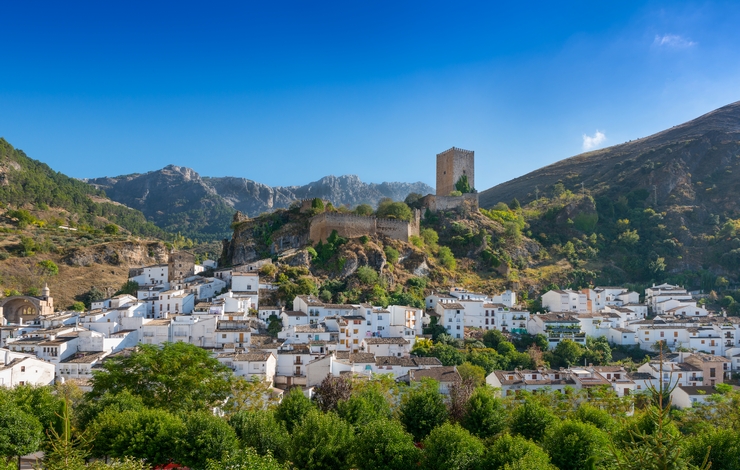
pixel 126 254
pixel 299 258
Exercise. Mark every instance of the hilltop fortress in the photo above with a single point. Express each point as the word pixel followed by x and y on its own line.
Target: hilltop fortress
pixel 453 165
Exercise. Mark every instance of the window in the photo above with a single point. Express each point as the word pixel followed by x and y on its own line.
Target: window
pixel 662 334
pixel 23 368
pixel 355 341
pixel 223 335
pixel 675 334
pixel 712 372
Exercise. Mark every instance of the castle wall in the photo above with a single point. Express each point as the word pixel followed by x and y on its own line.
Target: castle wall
pixel 446 203
pixel 354 226
pixel 451 165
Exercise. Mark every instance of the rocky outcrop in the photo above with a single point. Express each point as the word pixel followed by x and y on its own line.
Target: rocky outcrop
pixel 126 254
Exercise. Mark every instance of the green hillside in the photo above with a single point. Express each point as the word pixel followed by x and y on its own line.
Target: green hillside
pixel 28 183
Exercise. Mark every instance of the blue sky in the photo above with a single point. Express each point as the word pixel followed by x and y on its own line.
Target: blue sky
pixel 287 92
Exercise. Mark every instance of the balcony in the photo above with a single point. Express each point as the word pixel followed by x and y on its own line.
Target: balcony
pixel 519 317
pixel 298 361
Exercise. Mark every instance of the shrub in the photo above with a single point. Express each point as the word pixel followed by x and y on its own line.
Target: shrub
pixel 391 254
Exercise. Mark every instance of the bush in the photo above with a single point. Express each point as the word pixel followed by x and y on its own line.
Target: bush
pixel 531 420
pixel 446 258
pixel 387 209
pixel 384 445
pixel 321 441
pixel 391 254
pixel 367 275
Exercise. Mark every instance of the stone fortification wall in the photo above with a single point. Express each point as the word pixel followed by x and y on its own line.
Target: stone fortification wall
pixel 353 226
pixel 451 165
pixel 445 203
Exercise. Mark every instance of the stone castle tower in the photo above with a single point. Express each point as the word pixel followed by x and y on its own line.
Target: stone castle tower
pixel 452 164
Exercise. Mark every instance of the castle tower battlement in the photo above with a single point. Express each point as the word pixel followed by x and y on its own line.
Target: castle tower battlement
pixel 452 164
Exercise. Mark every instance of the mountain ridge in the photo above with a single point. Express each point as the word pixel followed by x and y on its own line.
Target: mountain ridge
pixel 180 199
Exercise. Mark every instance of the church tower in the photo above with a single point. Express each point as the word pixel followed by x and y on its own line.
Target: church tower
pixel 452 165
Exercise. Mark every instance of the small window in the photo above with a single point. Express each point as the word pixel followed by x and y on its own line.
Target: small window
pixel 23 368
pixel 223 335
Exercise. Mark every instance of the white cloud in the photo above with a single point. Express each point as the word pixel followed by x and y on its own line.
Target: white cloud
pixel 590 143
pixel 672 41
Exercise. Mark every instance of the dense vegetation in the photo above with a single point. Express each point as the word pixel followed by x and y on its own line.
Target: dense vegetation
pixel 27 182
pixel 352 423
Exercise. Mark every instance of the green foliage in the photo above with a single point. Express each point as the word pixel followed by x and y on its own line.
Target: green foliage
pixel 446 258
pixel 262 431
pixel 93 295
pixel 516 453
pixel 721 445
pixel 391 254
pixel 364 209
pixel 205 437
pixel 566 354
pixel 485 415
pixel 129 287
pixel 274 325
pixel 77 306
pixel 463 185
pixel 47 268
pixel 388 209
pixel 364 407
pixel 111 229
pixel 574 445
pixel 293 408
pixel 317 205
pixel 450 447
pixel 321 441
pixel 384 445
pixel 150 434
pixel 367 275
pixel 430 237
pixel 531 420
pixel 246 459
pixel 20 432
pixel 586 222
pixel 422 409
pixel 178 376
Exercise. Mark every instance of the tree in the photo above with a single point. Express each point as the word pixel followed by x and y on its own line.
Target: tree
pixel 429 236
pixel 384 445
pixel 321 441
pixel 422 409
pixel 253 394
pixel 413 200
pixel 205 437
pixel 388 209
pixel 65 452
pixel 77 306
pixel 331 391
pixel 364 209
pixel 391 254
pixel 446 258
pixel 365 406
pixel 531 419
pixel 274 325
pixel 367 275
pixel 20 432
pixel 566 354
pixel 294 407
pixel 178 376
pixel 463 185
pixel 492 338
pixel 111 229
pixel 450 447
pixel 574 445
pixel 516 453
pixel 721 445
pixel 150 434
pixel 261 430
pixel 47 268
pixel 485 415
pixel 129 287
pixel 244 459
pixel 475 373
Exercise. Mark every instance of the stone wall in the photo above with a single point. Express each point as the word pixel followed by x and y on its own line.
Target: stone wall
pixel 445 203
pixel 354 226
pixel 451 165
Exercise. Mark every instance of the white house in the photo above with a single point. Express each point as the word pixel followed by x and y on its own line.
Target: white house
pixel 260 364
pixel 565 301
pixel 686 397
pixel 24 369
